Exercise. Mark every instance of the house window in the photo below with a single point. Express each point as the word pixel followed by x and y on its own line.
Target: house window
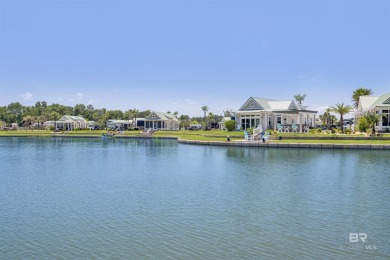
pixel 385 117
pixel 252 104
pixel 269 120
pixel 252 124
pixel 279 119
pixel 152 116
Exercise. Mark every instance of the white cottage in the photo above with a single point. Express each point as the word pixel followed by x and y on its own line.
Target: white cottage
pixel 70 123
pixel 377 105
pixel 275 114
pixel 162 121
pixel 222 123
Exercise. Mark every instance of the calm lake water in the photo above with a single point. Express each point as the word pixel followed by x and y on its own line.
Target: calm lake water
pixel 87 198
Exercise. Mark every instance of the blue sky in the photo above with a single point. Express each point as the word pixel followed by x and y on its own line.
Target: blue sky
pixel 181 55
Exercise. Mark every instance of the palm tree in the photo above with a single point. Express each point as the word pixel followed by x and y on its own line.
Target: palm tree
pixel 205 109
pixel 327 118
pixel 227 112
pixel 372 120
pixel 342 110
pixel 175 113
pixel 300 98
pixel 28 121
pixel 135 114
pixel 360 92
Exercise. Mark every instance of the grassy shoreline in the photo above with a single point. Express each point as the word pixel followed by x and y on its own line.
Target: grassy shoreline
pixel 216 135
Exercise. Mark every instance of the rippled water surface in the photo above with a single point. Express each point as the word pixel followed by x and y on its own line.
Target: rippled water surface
pixel 87 198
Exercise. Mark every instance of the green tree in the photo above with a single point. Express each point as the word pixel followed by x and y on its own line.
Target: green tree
pixel 341 109
pixel 372 119
pixel 228 112
pixel 363 125
pixel 205 109
pixel 28 121
pixel 230 125
pixel 79 110
pixel 210 118
pixel 360 92
pixel 15 113
pixel 135 114
pixel 299 98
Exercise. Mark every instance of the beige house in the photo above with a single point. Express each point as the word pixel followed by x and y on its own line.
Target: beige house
pixel 162 121
pixel 70 123
pixel 275 114
pixel 377 105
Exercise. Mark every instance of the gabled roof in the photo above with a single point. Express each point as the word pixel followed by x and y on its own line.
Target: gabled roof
pixel 282 105
pixel 367 102
pixel 383 100
pixel 72 119
pixel 162 116
pixel 254 103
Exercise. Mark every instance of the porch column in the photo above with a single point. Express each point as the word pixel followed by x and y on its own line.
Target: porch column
pixel 266 121
pixel 314 120
pixel 275 121
pixel 300 122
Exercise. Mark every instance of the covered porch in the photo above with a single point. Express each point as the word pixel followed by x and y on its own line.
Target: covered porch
pixel 162 124
pixel 64 125
pixel 285 121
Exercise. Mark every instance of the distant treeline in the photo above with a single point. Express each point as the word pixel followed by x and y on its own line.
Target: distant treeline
pixel 42 112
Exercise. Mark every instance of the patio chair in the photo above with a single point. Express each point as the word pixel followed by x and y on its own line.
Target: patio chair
pixel 247 136
pixel 294 128
pixel 286 129
pixel 280 128
pixel 265 137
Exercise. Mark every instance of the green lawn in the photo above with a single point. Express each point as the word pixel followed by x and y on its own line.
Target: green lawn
pixel 317 135
pixel 213 135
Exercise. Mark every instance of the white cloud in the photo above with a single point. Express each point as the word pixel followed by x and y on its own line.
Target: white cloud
pixel 27 96
pixel 80 95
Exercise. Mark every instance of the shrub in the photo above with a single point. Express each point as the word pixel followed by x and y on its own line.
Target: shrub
pixel 335 131
pixel 363 124
pixel 230 125
pixel 250 130
pixel 51 128
pixel 348 131
pixel 318 131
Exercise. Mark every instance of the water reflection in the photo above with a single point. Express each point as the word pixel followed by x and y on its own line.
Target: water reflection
pixel 143 198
